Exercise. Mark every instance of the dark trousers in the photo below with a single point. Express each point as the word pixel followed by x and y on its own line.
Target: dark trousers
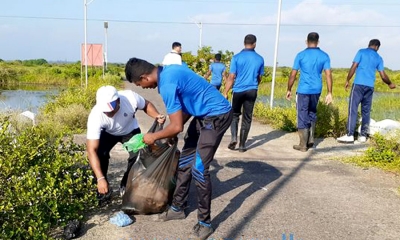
pixel 107 142
pixel 201 142
pixel 245 100
pixel 359 94
pixel 306 106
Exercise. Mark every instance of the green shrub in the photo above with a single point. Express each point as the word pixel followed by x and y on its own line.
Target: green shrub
pixel 330 121
pixel 383 153
pixel 68 119
pixel 44 182
pixel 7 75
pixel 35 62
pixel 278 117
pixel 383 150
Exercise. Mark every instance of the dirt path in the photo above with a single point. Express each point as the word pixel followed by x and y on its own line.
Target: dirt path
pixel 272 190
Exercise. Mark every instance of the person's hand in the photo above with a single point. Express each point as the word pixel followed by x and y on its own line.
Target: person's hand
pixel 328 99
pixel 392 86
pixel 346 86
pixel 102 186
pixel 225 95
pixel 149 139
pixel 161 119
pixel 289 95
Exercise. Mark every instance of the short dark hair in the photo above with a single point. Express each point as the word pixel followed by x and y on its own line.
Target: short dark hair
pixel 218 56
pixel 374 42
pixel 250 39
pixel 176 44
pixel 136 67
pixel 313 37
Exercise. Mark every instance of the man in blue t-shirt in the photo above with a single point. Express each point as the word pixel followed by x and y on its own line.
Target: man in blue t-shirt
pixel 217 72
pixel 187 94
pixel 310 62
pixel 365 63
pixel 245 73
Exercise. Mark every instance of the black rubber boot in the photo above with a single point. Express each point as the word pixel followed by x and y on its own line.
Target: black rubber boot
pixel 243 138
pixel 310 142
pixel 234 130
pixel 303 135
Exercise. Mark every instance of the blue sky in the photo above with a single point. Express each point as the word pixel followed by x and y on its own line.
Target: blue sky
pixel 54 29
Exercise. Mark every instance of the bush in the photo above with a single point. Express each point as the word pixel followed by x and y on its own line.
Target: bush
pixel 383 150
pixel 278 117
pixel 69 119
pixel 330 121
pixel 44 182
pixel 7 75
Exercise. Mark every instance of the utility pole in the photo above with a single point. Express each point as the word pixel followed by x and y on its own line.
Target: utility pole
pixel 278 23
pixel 105 45
pixel 85 4
pixel 200 26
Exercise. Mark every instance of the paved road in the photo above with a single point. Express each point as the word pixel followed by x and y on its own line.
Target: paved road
pixel 272 190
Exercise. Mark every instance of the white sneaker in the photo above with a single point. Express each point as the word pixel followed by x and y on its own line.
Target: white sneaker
pixel 362 139
pixel 346 139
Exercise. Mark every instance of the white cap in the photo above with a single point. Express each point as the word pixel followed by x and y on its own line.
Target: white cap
pixel 106 98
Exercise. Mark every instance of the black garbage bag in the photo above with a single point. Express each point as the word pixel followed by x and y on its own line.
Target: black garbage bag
pixel 72 229
pixel 151 180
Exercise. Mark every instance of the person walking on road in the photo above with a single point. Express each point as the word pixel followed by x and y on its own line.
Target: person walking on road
pixel 187 94
pixel 365 64
pixel 110 121
pixel 217 72
pixel 175 56
pixel 310 62
pixel 245 73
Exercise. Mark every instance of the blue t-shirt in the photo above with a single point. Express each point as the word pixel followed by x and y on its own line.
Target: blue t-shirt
pixel 247 66
pixel 368 62
pixel 182 89
pixel 311 62
pixel 217 71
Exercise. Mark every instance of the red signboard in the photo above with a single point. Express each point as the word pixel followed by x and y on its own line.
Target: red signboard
pixel 94 55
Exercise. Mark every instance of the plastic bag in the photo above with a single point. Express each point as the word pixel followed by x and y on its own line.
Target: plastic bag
pixel 135 143
pixel 121 219
pixel 151 180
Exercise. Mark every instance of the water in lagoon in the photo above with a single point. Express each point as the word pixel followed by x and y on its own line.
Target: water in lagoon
pixel 25 97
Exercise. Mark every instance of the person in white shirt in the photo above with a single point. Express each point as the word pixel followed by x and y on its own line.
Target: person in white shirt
pixel 175 56
pixel 110 121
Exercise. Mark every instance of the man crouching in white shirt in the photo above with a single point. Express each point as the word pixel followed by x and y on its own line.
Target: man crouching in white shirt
pixel 110 121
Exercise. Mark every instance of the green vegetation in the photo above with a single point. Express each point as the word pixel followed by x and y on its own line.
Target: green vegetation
pixel 44 181
pixel 41 72
pixel 383 153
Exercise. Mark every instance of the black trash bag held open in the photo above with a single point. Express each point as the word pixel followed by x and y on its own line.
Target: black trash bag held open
pixel 151 180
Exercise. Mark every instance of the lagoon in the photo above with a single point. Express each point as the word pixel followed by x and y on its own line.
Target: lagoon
pixel 24 98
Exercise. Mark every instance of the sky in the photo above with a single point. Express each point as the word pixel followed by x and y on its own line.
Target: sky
pixel 54 29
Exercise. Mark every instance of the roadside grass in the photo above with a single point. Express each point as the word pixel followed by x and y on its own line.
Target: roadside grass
pixel 383 153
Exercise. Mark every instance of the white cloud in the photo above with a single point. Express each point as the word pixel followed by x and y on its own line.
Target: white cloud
pixel 316 12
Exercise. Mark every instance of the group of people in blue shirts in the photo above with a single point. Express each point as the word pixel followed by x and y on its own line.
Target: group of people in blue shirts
pixel 190 97
pixel 187 95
